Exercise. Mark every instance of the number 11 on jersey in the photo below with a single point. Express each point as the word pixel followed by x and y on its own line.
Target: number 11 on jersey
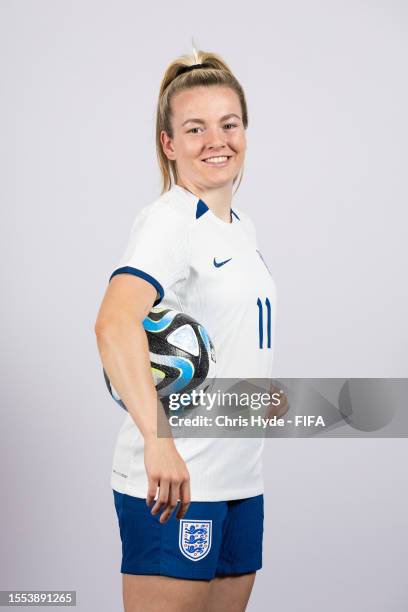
pixel 261 322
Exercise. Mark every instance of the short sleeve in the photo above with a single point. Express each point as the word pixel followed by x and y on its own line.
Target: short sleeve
pixel 157 249
pixel 252 230
pixel 249 227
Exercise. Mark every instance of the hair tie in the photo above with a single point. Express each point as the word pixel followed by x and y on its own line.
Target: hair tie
pixel 193 67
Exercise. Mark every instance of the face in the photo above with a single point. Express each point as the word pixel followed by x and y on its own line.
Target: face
pixel 209 140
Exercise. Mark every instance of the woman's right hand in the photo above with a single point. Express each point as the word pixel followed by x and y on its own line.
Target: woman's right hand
pixel 165 468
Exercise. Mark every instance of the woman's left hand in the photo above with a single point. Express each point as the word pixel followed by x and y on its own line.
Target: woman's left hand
pixel 279 409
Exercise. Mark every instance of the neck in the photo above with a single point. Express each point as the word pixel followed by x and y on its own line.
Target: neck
pixel 218 199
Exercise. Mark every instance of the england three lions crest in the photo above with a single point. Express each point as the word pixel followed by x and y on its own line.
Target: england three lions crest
pixel 195 539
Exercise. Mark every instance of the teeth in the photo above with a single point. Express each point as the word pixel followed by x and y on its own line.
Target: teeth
pixel 216 160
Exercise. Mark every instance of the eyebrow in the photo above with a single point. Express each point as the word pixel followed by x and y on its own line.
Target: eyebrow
pixel 201 120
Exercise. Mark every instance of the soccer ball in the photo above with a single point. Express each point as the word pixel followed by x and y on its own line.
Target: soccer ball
pixel 182 355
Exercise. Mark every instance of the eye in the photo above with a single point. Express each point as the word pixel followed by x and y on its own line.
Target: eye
pixel 232 124
pixel 192 130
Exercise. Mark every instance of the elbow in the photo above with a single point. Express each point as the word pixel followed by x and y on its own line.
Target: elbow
pixel 111 327
pixel 102 327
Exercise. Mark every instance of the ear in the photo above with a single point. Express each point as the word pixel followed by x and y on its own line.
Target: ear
pixel 167 144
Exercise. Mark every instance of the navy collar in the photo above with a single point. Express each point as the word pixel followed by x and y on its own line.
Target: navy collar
pixel 201 206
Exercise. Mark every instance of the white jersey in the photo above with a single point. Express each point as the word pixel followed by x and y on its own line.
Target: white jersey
pixel 212 271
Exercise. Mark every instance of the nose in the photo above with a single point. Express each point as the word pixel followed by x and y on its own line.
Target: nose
pixel 216 139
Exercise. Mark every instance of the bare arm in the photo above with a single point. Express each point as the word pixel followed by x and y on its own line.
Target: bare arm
pixel 124 351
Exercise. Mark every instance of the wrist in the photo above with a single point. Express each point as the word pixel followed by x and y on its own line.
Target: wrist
pixel 152 438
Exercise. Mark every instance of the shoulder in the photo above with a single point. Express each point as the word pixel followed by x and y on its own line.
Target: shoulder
pixel 247 222
pixel 166 213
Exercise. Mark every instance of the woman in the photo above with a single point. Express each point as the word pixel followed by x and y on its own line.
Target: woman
pixel 191 251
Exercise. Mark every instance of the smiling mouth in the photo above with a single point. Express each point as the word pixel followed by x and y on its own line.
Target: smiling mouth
pixel 217 160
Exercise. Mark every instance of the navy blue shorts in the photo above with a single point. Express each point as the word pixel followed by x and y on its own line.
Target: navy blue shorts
pixel 219 538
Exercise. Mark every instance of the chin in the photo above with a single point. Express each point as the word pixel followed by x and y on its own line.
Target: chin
pixel 220 174
pixel 219 181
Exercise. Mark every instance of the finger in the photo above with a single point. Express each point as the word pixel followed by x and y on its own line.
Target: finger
pixel 163 497
pixel 151 491
pixel 284 406
pixel 174 496
pixel 185 499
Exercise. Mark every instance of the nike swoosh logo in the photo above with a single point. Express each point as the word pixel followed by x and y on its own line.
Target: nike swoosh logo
pixel 221 263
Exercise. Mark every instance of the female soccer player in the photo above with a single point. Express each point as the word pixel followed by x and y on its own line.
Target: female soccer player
pixel 191 251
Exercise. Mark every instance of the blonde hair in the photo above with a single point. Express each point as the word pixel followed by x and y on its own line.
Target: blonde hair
pixel 215 72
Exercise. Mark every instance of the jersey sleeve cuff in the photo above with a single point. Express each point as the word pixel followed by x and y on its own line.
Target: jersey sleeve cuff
pixel 147 277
